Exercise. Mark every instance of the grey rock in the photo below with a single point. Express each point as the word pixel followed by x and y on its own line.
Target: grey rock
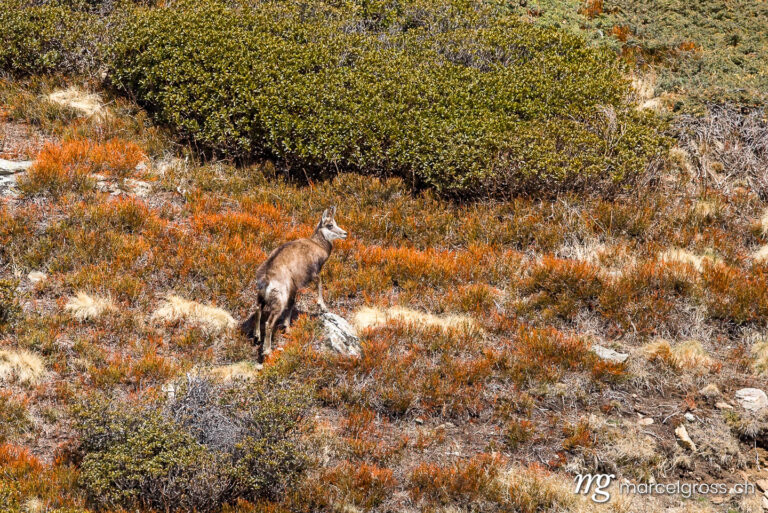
pixel 11 167
pixel 689 417
pixel 340 336
pixel 752 399
pixel 7 185
pixel 609 354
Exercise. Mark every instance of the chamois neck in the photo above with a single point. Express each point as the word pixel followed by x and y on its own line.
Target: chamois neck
pixel 321 241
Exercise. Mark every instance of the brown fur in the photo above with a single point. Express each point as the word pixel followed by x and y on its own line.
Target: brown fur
pixel 288 269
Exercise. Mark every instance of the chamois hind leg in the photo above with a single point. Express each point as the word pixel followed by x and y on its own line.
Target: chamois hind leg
pixel 274 316
pixel 250 327
pixel 288 314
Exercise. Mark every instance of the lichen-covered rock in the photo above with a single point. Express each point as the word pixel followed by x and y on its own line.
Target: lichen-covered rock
pixel 340 336
pixel 752 399
pixel 10 167
pixel 609 354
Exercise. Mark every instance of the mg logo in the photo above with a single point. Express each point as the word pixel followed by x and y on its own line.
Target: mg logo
pixel 586 483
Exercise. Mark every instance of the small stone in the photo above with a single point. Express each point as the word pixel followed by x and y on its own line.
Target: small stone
pixel 765 503
pixel 752 399
pixel 762 485
pixel 37 276
pixel 689 417
pixel 418 420
pixel 10 167
pixel 609 354
pixel 718 499
pixel 721 405
pixel 683 439
pixel 646 421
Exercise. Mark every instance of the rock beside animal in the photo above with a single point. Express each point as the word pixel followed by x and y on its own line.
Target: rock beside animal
pixel 9 167
pixel 752 399
pixel 339 335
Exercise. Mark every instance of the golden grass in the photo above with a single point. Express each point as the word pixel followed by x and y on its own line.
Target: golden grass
pixel 84 307
pixel 761 255
pixel 688 355
pixel 88 104
pixel 21 366
pixel 369 317
pixel 244 370
pixel 209 318
pixel 683 256
pixel 764 222
pixel 760 357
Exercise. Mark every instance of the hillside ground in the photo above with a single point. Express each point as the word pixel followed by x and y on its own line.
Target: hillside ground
pixel 484 396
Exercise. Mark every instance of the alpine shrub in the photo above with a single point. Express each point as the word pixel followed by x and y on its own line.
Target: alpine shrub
pixel 460 98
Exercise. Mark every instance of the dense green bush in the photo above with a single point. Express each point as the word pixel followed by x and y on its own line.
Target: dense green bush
pixel 9 305
pixel 451 95
pixel 210 446
pixel 38 39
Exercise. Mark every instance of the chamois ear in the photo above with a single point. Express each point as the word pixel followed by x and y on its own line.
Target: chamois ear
pixel 327 215
pixel 333 211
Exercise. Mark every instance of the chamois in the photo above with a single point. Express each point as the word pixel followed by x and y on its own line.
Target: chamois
pixel 287 269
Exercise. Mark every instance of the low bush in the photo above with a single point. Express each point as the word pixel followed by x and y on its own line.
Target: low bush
pixel 210 446
pixel 53 38
pixel 465 99
pixel 9 305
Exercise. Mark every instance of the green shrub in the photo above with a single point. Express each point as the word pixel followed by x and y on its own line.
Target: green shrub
pixel 48 39
pixel 209 447
pixel 457 97
pixel 9 305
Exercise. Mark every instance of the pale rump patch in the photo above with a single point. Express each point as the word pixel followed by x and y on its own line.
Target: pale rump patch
pixel 368 317
pixel 75 98
pixel 22 366
pixel 84 307
pixel 175 308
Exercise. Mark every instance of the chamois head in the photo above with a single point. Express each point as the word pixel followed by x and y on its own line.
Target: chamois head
pixel 328 227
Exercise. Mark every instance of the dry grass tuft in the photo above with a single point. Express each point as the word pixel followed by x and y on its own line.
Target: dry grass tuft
pixel 761 255
pixel 33 505
pixel 686 257
pixel 210 318
pixel 87 308
pixel 688 355
pixel 368 317
pixel 760 357
pixel 764 222
pixel 244 370
pixel 87 103
pixel 22 366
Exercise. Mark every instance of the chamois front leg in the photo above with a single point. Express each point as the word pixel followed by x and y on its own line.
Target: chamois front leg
pixel 320 301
